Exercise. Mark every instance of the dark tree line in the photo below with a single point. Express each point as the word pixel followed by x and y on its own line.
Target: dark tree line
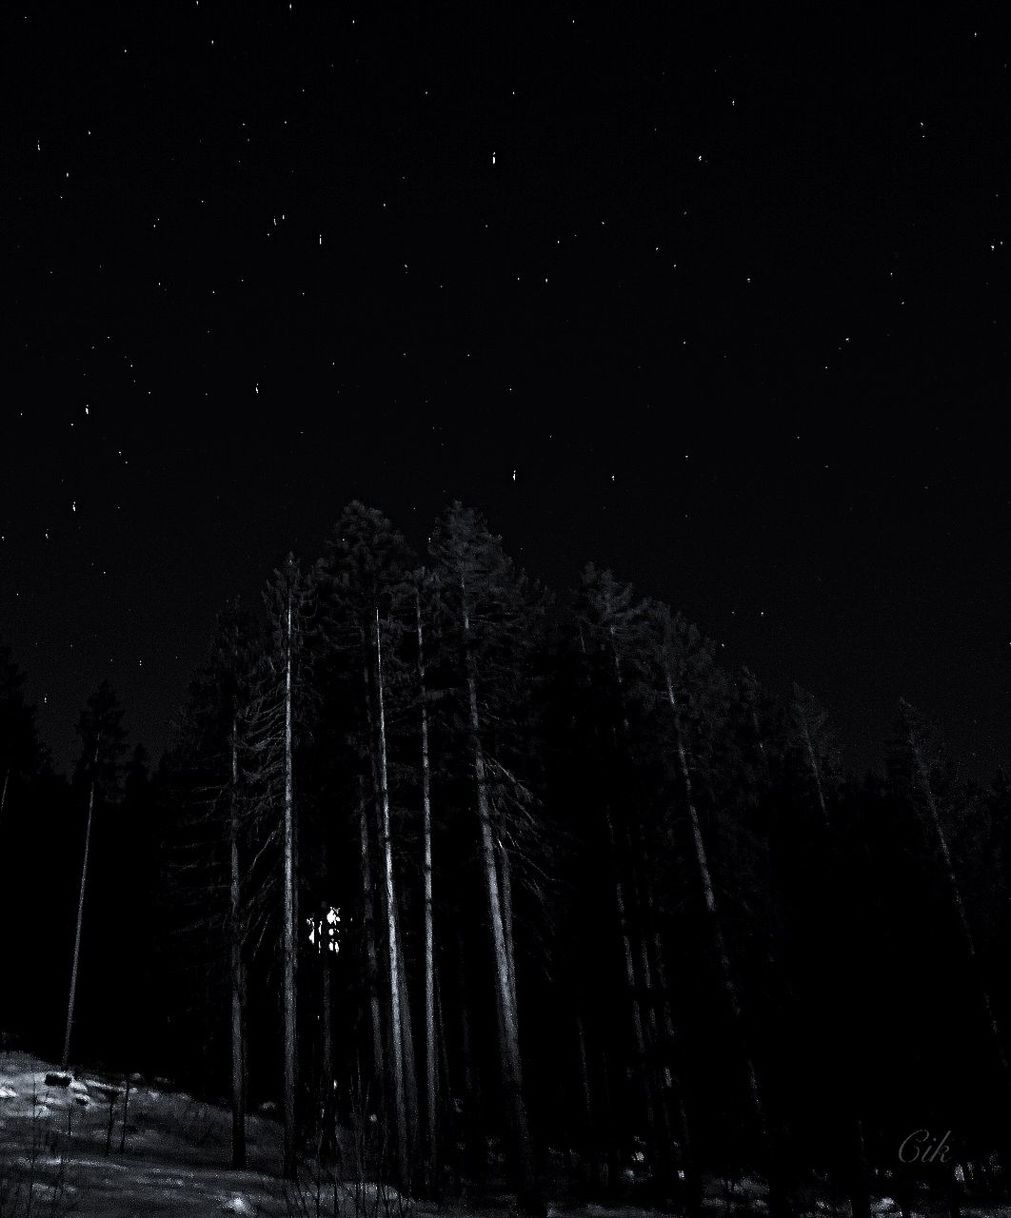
pixel 528 871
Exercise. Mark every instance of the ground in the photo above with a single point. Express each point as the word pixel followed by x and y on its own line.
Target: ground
pixel 63 1150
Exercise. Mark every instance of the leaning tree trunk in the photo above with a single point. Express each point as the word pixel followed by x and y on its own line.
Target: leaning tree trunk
pixel 80 918
pixel 392 936
pixel 778 1204
pixel 657 1079
pixel 644 1073
pixel 3 794
pixel 289 939
pixel 968 938
pixel 236 966
pixel 506 890
pixel 526 1176
pixel 431 1092
pixel 858 1177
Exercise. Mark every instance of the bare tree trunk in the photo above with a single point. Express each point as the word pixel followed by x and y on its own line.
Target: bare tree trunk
pixel 692 1178
pixel 407 1032
pixel 80 918
pixel 426 833
pixel 526 1175
pixel 657 1080
pixel 631 981
pixel 237 978
pixel 471 1079
pixel 371 954
pixel 777 1201
pixel 812 761
pixel 444 1083
pixel 326 1018
pixel 968 938
pixel 392 936
pixel 857 1182
pixel 289 938
pixel 506 889
pixel 584 1071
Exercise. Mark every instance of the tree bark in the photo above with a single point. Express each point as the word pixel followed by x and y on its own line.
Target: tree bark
pixel 523 1158
pixel 237 978
pixel 857 1181
pixel 968 938
pixel 371 953
pixel 506 889
pixel 657 1078
pixel 80 918
pixel 431 1092
pixel 392 936
pixel 289 937
pixel 326 1018
pixel 777 1202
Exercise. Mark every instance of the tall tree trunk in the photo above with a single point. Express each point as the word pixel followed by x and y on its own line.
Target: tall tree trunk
pixel 407 1032
pixel 857 1175
pixel 326 1018
pixel 692 1177
pixel 968 938
pixel 632 981
pixel 506 889
pixel 523 1157
pixel 471 1078
pixel 371 952
pixel 777 1202
pixel 812 762
pixel 289 938
pixel 431 1092
pixel 443 1081
pixel 80 918
pixel 392 936
pixel 237 978
pixel 670 1099
pixel 584 1071
pixel 658 1081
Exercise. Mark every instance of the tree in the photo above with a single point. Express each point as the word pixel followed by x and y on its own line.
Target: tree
pixel 231 670
pixel 364 579
pixel 428 912
pixel 102 735
pixel 924 766
pixel 613 632
pixel 286 598
pixel 486 598
pixel 696 691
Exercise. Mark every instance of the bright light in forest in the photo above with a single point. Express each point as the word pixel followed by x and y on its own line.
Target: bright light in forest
pixel 324 933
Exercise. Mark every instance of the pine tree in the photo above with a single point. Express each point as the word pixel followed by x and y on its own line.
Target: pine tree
pixel 287 601
pixel 485 598
pixel 364 580
pixel 102 735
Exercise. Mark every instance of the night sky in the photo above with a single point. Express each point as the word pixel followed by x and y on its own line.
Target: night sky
pixel 722 306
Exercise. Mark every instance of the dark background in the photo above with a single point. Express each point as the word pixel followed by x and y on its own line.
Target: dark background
pixel 727 296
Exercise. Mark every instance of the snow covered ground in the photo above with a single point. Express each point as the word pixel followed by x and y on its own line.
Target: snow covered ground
pixel 53 1140
pixel 174 1160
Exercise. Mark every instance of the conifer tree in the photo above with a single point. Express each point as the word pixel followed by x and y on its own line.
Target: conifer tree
pixel 101 731
pixel 485 599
